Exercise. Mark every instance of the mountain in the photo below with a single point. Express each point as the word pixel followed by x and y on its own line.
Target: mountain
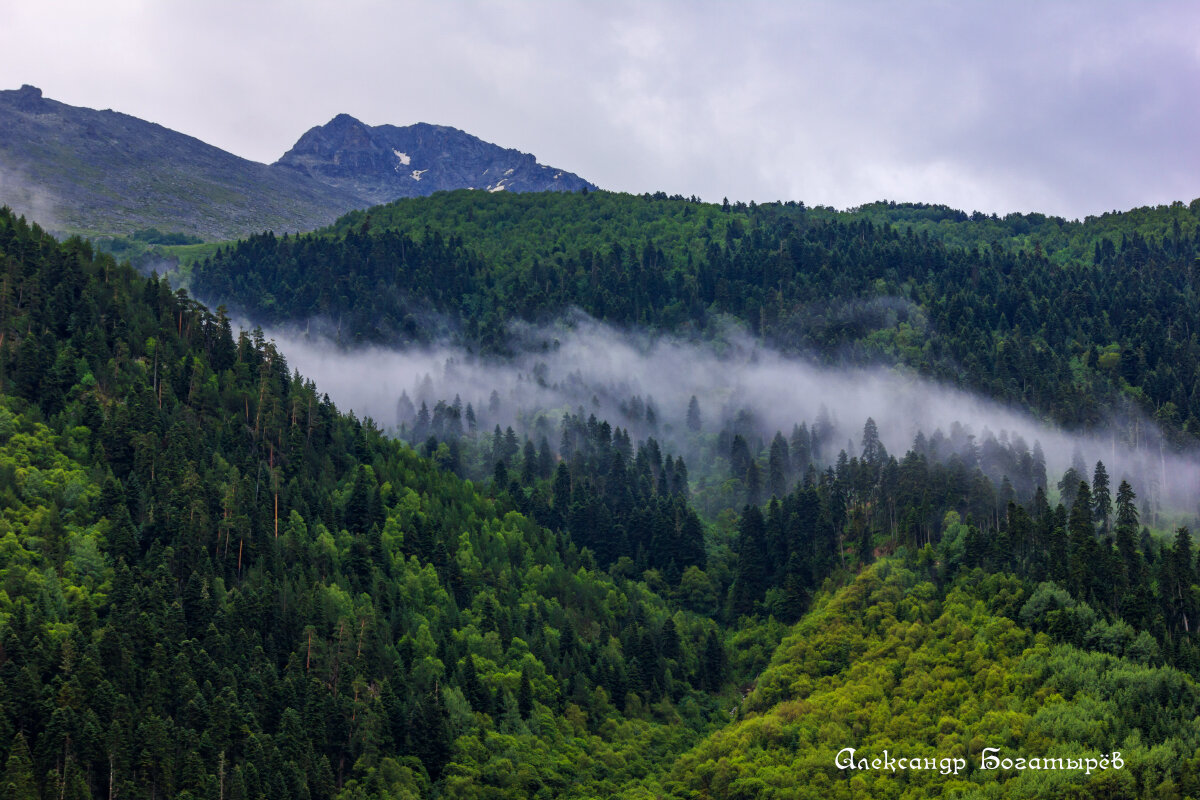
pixel 969 302
pixel 219 585
pixel 618 601
pixel 102 172
pixel 79 170
pixel 393 623
pixel 384 162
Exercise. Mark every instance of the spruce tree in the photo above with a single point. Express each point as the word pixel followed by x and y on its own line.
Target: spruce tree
pixel 752 566
pixel 1127 513
pixel 694 420
pixel 1102 497
pixel 778 466
pixel 17 782
pixel 1081 542
pixel 525 695
pixel 712 663
pixel 873 452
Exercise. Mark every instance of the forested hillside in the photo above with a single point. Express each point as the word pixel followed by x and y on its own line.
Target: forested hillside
pixel 897 666
pixel 217 584
pixel 1074 320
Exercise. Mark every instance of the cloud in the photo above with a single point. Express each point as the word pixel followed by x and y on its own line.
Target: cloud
pixel 1069 108
pixel 27 198
pixel 581 363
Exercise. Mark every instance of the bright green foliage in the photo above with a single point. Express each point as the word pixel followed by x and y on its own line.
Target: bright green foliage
pixel 892 662
pixel 213 578
pixel 215 584
pixel 51 544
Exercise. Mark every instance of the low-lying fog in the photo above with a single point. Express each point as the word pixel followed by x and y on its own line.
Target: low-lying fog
pixel 582 363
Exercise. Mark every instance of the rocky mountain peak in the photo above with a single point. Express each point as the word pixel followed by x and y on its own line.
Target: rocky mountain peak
pixel 386 162
pixel 27 98
pixel 139 174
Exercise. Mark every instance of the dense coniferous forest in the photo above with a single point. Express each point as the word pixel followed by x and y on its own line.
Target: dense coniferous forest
pixel 216 584
pixel 1074 320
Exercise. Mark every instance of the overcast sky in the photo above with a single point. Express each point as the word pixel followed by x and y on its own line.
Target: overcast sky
pixel 1067 108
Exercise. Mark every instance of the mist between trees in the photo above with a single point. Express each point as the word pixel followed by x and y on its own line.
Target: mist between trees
pixel 644 383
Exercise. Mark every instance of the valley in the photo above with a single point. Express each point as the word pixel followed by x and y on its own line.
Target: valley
pixel 588 494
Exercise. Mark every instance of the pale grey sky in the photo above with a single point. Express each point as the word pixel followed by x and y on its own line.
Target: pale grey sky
pixel 1070 108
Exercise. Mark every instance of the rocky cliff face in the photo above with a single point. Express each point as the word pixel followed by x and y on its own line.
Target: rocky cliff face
pixel 385 162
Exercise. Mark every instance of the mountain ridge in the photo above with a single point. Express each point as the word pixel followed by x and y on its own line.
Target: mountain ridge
pixel 95 172
pixel 82 170
pixel 387 162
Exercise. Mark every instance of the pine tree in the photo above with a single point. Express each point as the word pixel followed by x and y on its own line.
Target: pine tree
pixel 693 415
pixel 795 589
pixel 1081 541
pixel 429 733
pixel 753 484
pixel 1102 497
pixel 712 664
pixel 525 695
pixel 1179 595
pixel 739 457
pixel 873 452
pixel 778 466
pixel 801 447
pixel 1127 513
pixel 679 480
pixel 668 639
pixel 752 566
pixel 1039 466
pixel 545 459
pixel 17 782
pixel 1068 487
pixel 421 426
pixel 529 468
